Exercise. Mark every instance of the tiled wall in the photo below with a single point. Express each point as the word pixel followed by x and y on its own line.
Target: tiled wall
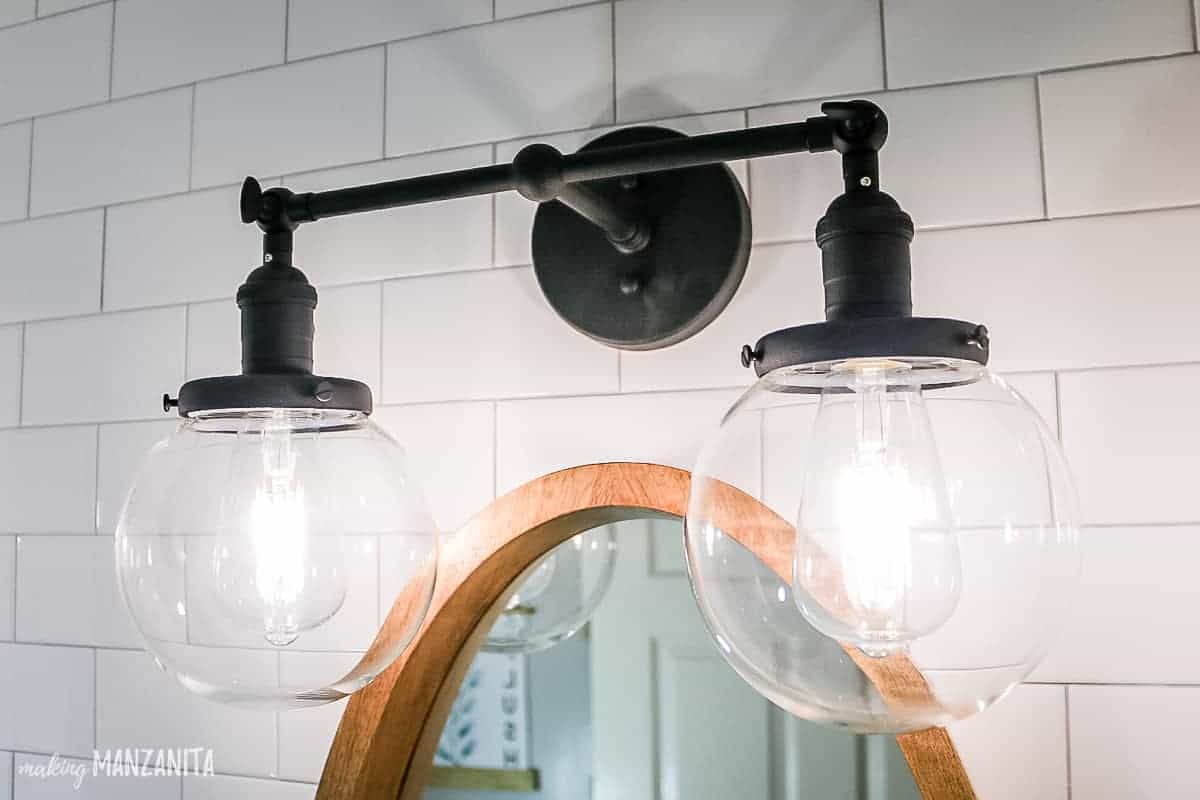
pixel 1047 150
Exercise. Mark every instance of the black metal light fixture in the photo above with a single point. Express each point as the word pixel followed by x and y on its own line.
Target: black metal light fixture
pixel 246 526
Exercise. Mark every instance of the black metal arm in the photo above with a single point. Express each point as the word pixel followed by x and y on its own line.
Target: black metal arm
pixel 541 173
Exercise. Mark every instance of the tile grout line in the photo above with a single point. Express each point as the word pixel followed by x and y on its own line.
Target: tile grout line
pixel 21 379
pixel 191 172
pixel 287 23
pixel 112 46
pixel 612 38
pixel 1067 719
pixel 29 174
pixel 1041 129
pixel 1196 25
pixel 103 252
pixel 383 126
pixel 96 485
pixel 883 44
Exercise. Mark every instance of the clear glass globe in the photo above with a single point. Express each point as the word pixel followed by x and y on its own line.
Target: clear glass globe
pixel 917 543
pixel 260 552
pixel 557 597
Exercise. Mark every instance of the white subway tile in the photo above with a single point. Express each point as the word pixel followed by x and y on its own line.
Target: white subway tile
pixel 288 119
pixel 122 448
pixel 432 237
pixel 214 343
pixel 667 53
pixel 47 7
pixel 458 479
pixel 37 778
pixel 1117 138
pixel 1018 748
pixel 515 8
pixel 12 12
pixel 1133 741
pixel 482 335
pixel 491 82
pixel 935 41
pixel 316 27
pixel 47 699
pixel 305 734
pixel 109 153
pixel 225 787
pixel 55 64
pixel 943 185
pixel 163 43
pixel 14 169
pixel 536 437
pixel 11 341
pixel 1127 436
pixel 141 706
pixel 44 278
pixel 346 344
pixel 8 594
pixel 124 362
pixel 48 480
pixel 782 288
pixel 1139 581
pixel 514 214
pixel 67 593
pixel 1057 295
pixel 177 249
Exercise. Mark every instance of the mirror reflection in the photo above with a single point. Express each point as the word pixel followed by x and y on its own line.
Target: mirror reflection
pixel 621 694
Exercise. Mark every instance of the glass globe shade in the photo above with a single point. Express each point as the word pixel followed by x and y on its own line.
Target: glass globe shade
pixel 259 553
pixel 919 534
pixel 557 597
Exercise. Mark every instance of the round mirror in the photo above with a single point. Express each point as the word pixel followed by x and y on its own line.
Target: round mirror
pixel 639 703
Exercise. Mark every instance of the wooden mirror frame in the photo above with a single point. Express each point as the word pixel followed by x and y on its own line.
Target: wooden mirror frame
pixel 388 734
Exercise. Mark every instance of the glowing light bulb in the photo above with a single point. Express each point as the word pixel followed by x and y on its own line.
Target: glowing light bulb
pixel 876 561
pixel 279 577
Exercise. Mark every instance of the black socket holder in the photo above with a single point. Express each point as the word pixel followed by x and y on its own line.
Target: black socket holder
pixel 277 304
pixel 866 266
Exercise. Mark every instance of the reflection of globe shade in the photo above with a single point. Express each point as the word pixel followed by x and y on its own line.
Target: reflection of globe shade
pixel 876 561
pixel 533 586
pixel 912 509
pixel 249 533
pixel 558 596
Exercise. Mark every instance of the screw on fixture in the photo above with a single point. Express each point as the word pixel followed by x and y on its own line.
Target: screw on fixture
pixel 979 337
pixel 749 355
pixel 169 403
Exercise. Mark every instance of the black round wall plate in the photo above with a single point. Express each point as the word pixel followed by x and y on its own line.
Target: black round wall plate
pixel 674 287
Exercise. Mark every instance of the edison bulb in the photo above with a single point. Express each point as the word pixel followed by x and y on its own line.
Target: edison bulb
pixel 876 561
pixel 272 576
pixel 882 545
pixel 254 535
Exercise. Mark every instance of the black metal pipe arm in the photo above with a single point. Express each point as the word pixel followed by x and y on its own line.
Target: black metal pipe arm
pixel 541 173
pixel 546 176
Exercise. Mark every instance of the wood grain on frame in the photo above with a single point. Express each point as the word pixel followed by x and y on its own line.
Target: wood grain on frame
pixel 385 743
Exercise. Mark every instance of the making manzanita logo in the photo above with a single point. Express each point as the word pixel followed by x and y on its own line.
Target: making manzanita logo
pixel 129 762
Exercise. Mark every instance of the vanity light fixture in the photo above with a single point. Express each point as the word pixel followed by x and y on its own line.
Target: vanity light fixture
pixel 927 497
